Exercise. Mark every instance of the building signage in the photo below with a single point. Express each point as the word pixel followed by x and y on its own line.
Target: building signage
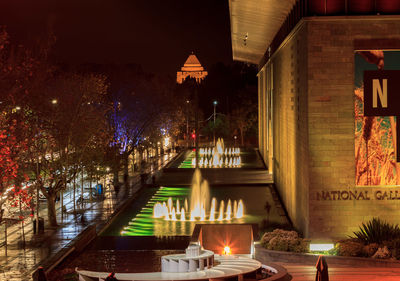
pixel 337 195
pixel 382 96
pixel 382 93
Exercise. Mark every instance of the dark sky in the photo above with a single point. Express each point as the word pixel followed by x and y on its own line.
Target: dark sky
pixel 159 35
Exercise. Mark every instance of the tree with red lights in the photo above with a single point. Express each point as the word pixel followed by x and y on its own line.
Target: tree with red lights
pixel 16 67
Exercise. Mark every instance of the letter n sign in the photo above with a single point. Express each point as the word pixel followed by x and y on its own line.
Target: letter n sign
pixel 382 97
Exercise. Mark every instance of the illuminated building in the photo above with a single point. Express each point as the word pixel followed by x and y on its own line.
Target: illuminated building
pixel 333 167
pixel 191 68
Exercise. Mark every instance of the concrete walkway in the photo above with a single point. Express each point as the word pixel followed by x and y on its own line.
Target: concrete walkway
pixel 21 261
pixel 343 273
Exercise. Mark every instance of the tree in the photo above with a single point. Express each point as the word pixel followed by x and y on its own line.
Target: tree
pixel 244 115
pixel 16 74
pixel 221 127
pixel 143 105
pixel 69 128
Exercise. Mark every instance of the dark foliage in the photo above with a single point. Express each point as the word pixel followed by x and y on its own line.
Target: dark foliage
pixel 377 231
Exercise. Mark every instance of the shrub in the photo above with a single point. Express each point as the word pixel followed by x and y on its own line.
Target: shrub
pixel 377 231
pixel 370 249
pixel 349 248
pixel 394 247
pixel 382 253
pixel 283 240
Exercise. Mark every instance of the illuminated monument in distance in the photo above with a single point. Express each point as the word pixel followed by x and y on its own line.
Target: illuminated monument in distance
pixel 191 68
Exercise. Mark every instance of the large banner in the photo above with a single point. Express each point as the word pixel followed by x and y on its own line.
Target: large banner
pixel 377 92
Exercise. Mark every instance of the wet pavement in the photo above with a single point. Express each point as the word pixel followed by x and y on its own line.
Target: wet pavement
pixel 20 261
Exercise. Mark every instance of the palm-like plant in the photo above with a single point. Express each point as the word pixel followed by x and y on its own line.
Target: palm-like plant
pixel 377 231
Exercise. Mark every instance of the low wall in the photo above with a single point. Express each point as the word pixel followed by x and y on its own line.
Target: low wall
pixel 267 256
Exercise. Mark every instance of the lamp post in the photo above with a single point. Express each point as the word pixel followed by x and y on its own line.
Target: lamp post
pixel 215 107
pixel 187 123
pixel 37 177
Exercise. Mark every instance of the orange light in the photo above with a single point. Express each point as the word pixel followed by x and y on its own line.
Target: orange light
pixel 226 251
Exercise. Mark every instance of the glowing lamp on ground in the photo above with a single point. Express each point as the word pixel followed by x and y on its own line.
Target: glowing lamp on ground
pixel 321 247
pixel 227 251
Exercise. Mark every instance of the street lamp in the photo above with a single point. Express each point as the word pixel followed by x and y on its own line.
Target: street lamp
pixel 215 106
pixel 54 101
pixel 187 123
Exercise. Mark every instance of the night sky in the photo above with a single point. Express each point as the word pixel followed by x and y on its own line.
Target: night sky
pixel 159 35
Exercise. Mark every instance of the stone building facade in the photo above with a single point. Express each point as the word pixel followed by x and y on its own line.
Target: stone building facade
pixel 307 121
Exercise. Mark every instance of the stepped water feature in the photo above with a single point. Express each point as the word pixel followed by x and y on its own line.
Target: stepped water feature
pixel 219 156
pixel 146 241
pixel 199 206
pixel 176 210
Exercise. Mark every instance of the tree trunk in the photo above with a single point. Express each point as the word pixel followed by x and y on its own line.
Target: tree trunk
pixel 82 188
pixel 126 170
pixel 1 212
pixel 241 136
pixel 115 177
pixel 90 187
pixel 51 209
pixel 22 223
pixel 74 192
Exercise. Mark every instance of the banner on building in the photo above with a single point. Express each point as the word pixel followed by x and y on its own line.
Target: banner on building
pixel 377 105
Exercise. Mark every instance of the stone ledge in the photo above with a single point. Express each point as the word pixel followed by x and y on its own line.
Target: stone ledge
pixel 266 256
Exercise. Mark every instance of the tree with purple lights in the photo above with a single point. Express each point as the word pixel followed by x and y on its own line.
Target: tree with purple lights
pixel 143 106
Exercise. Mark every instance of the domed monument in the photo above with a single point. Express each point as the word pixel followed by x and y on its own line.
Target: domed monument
pixel 191 68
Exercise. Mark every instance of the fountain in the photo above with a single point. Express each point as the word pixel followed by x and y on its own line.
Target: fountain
pixel 218 156
pixel 199 204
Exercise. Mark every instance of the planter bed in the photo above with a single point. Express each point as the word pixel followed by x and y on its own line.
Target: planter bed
pixel 267 256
